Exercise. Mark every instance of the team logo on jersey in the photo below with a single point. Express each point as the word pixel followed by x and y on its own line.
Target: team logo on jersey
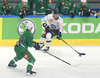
pixel 57 22
pixel 85 8
pixel 44 33
pixel 21 27
pixel 21 10
pixel 70 3
pixel 51 20
pixel 4 7
pixel 26 56
pixel 10 7
pixel 81 9
pixel 63 3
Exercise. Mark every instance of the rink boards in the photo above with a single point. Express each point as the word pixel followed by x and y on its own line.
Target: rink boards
pixel 77 31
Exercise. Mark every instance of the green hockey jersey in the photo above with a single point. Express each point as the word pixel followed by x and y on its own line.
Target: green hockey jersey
pixel 4 7
pixel 41 6
pixel 20 8
pixel 64 6
pixel 31 2
pixel 79 8
pixel 26 40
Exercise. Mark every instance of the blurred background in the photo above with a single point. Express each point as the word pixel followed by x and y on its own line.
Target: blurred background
pixel 93 3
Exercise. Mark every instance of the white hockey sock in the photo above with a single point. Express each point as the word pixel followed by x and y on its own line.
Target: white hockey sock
pixel 48 43
pixel 42 41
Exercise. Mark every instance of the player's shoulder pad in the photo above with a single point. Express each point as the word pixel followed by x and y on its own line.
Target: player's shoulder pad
pixel 49 15
pixel 19 4
pixel 61 20
pixel 78 5
pixel 87 5
pixel 28 5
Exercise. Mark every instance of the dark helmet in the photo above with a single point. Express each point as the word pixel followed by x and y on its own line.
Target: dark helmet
pixel 56 11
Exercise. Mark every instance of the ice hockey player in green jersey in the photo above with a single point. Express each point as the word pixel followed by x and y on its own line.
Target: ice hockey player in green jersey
pixel 65 6
pixel 31 2
pixel 43 7
pixel 83 8
pixel 21 49
pixel 22 9
pixel 6 8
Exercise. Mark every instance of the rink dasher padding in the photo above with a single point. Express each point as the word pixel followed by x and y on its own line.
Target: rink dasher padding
pixel 77 31
pixel 56 42
pixel 0 29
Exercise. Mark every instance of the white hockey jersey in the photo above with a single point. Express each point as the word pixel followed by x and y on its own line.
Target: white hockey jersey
pixel 53 24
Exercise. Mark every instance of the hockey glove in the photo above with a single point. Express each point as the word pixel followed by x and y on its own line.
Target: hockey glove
pixel 59 35
pixel 48 11
pixel 46 27
pixel 7 12
pixel 94 14
pixel 36 45
pixel 22 14
pixel 81 13
pixel 27 11
pixel 84 13
pixel 72 14
pixel 87 14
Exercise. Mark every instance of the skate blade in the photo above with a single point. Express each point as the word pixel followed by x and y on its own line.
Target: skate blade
pixel 76 65
pixel 11 67
pixel 34 74
pixel 44 51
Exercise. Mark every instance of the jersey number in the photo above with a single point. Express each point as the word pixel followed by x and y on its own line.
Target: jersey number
pixel 53 26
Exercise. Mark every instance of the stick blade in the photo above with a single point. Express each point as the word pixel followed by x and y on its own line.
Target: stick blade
pixel 76 65
pixel 80 54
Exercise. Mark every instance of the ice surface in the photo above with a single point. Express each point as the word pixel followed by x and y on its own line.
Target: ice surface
pixel 47 66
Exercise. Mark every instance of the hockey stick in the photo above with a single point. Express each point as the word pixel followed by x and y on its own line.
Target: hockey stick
pixel 80 54
pixel 95 15
pixel 62 60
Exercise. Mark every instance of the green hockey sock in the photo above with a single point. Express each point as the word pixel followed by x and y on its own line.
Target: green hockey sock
pixel 30 66
pixel 13 61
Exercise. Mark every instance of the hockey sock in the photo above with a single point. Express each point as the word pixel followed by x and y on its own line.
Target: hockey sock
pixel 48 43
pixel 42 41
pixel 30 66
pixel 13 61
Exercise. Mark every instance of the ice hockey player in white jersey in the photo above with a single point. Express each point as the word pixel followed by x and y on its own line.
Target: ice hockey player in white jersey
pixel 53 28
